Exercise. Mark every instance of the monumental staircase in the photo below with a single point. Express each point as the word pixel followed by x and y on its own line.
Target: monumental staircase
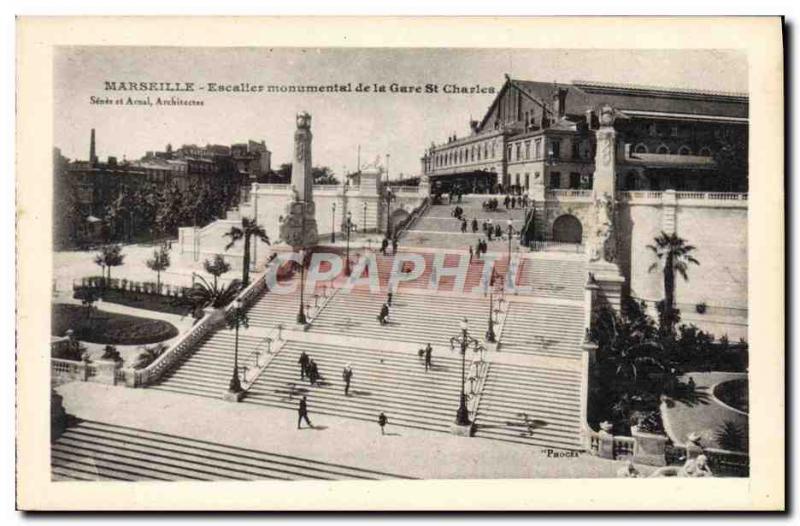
pixel 100 451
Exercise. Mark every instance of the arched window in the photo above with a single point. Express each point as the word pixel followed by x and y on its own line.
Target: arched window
pixel 705 151
pixel 684 150
pixel 640 148
pixel 663 150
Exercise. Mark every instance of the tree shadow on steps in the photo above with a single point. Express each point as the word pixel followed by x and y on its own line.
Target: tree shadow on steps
pixel 358 392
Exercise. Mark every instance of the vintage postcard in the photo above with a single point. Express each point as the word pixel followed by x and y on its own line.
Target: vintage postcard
pixel 400 263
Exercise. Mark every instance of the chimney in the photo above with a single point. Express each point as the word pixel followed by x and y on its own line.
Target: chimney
pixel 560 102
pixel 92 151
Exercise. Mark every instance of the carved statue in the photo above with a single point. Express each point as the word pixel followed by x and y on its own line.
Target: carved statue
pixel 374 164
pixel 604 244
pixel 607 116
pixel 295 194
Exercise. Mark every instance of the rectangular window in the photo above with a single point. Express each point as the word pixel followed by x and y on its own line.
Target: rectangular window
pixel 519 151
pixel 537 154
pixel 574 180
pixel 527 149
pixel 527 181
pixel 555 149
pixel 508 153
pixel 576 151
pixel 555 180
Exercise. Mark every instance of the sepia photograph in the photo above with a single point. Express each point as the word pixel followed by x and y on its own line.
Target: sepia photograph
pixel 325 263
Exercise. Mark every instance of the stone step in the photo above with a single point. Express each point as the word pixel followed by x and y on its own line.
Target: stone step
pixel 92 450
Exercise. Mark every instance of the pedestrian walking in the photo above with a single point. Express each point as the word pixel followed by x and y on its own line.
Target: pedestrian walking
pixel 389 297
pixel 302 413
pixel 474 226
pixel 470 253
pixel 384 244
pixel 384 315
pixel 313 372
pixel 463 226
pixel 428 357
pixel 490 232
pixel 347 375
pixel 382 421
pixel 303 361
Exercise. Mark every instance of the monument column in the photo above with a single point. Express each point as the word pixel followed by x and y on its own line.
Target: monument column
pixel 299 226
pixel 602 246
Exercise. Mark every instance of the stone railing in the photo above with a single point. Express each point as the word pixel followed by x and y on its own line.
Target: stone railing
pixel 657 196
pixel 405 225
pixel 569 195
pixel 188 341
pixel 103 371
pixel 405 189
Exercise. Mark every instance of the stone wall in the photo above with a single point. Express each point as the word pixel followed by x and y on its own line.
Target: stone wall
pixel 716 224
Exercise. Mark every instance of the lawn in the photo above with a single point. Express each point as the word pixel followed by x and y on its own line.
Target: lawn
pixel 109 328
pixel 168 304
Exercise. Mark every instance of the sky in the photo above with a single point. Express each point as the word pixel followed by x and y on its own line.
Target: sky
pixel 399 124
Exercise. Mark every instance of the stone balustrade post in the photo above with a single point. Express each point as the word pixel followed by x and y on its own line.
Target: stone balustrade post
pixel 605 445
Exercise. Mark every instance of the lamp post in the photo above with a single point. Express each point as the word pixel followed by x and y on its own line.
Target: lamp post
pixel 236 317
pixel 349 226
pixel 490 335
pixel 301 315
pixel 389 196
pixel 333 222
pixel 510 230
pixel 464 341
pixel 364 224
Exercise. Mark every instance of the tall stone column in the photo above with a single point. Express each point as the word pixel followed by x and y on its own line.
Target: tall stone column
pixel 602 246
pixel 299 226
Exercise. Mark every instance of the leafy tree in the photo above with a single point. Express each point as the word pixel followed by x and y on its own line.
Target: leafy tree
pixel 217 267
pixel 159 263
pixel 110 256
pixel 248 230
pixel 674 255
pixel 148 355
pixel 323 175
pixel 110 352
pixel 731 158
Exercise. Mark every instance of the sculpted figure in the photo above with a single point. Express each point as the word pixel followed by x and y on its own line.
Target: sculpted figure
pixel 697 467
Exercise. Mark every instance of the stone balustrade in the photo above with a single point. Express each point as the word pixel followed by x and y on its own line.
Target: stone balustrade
pixel 569 195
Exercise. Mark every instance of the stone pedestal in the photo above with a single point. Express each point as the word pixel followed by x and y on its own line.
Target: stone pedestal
pixel 609 281
pixel 605 442
pixel 463 431
pixel 230 396
pixel 648 448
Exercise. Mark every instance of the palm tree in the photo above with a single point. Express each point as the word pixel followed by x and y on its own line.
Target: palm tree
pixel 216 267
pixel 248 229
pixel 204 294
pixel 674 255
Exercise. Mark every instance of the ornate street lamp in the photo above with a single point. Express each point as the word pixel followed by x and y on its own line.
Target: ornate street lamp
pixel 333 222
pixel 389 197
pixel 236 317
pixel 490 336
pixel 364 224
pixel 349 226
pixel 464 341
pixel 301 315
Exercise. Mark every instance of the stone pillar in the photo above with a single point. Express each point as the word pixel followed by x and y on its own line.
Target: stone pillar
pixel 299 227
pixel 669 210
pixel 602 239
pixel 605 443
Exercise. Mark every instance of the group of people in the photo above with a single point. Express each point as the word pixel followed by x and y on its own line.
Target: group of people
pixel 308 369
pixel 514 201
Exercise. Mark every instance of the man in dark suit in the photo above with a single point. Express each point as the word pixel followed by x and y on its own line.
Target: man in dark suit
pixel 384 245
pixel 347 375
pixel 303 361
pixel 428 357
pixel 382 317
pixel 302 413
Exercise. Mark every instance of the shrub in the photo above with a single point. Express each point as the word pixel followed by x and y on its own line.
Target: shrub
pixel 732 437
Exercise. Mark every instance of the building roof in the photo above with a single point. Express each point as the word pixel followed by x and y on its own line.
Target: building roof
pixel 582 96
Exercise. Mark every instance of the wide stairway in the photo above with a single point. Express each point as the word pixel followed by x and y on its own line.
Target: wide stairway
pixel 394 383
pixel 99 451
pixel 413 318
pixel 207 372
pixel 531 405
pixel 563 277
pixel 543 329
